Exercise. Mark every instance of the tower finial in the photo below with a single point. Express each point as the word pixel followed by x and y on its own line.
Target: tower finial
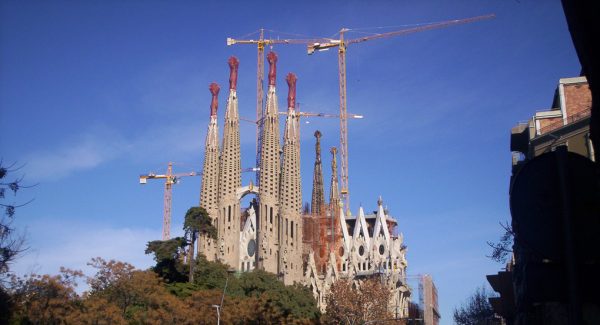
pixel 272 59
pixel 233 72
pixel 317 207
pixel 334 194
pixel 214 104
pixel 318 145
pixel 291 81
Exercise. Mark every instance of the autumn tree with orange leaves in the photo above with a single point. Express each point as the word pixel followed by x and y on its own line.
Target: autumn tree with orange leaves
pixel 357 302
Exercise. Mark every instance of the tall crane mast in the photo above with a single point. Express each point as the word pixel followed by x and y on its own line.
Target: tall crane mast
pixel 261 42
pixel 342 45
pixel 171 179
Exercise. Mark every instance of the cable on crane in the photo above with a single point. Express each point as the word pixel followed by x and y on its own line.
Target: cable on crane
pixel 249 34
pixel 293 34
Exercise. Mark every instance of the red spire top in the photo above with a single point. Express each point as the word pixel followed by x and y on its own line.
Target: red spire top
pixel 214 104
pixel 272 58
pixel 233 73
pixel 291 81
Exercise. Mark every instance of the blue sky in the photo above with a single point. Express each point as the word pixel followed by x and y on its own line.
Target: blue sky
pixel 94 93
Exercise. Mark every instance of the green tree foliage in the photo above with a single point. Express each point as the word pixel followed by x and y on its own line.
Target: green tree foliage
pixel 121 294
pixel 288 302
pixel 197 221
pixel 476 310
pixel 167 254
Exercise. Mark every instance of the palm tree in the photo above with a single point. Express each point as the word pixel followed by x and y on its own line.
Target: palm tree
pixel 197 222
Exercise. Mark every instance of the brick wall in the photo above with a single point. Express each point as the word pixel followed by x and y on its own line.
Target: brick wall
pixel 550 123
pixel 578 98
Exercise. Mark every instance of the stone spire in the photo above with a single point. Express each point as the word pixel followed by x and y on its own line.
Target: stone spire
pixel 317 206
pixel 268 222
pixel 335 241
pixel 290 194
pixel 230 177
pixel 209 195
pixel 334 194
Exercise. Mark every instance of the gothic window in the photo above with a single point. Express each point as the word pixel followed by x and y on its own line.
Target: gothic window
pixel 361 250
pixel 251 247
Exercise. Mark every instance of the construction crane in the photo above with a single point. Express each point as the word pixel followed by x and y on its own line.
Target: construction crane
pixel 342 44
pixel 171 179
pixel 308 114
pixel 261 42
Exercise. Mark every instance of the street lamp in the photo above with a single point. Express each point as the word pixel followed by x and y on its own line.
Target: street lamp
pixel 218 314
pixel 220 306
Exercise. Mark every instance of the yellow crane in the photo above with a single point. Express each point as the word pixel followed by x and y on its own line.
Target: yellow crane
pixel 342 45
pixel 171 179
pixel 261 42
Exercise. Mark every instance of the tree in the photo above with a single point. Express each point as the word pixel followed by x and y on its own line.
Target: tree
pixel 45 299
pixel 197 221
pixel 477 310
pixel 140 296
pixel 503 248
pixel 167 254
pixel 10 244
pixel 349 304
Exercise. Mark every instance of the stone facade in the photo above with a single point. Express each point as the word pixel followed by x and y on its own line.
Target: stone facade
pixel 315 248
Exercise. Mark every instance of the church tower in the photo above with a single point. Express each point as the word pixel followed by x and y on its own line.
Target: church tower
pixel 230 178
pixel 268 223
pixel 317 205
pixel 318 210
pixel 290 194
pixel 335 240
pixel 209 191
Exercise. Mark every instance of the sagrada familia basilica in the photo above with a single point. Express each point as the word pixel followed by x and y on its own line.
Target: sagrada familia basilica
pixel 315 246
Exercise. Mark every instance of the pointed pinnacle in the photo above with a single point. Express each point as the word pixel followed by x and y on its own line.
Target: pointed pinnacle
pixel 272 59
pixel 233 71
pixel 214 104
pixel 291 81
